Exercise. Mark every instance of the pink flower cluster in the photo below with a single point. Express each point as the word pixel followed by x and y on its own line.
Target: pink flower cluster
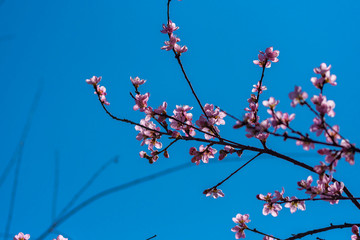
pixel 182 116
pixel 327 191
pixel 22 236
pixel 325 76
pixel 204 154
pixel 241 220
pixel 323 106
pixel 272 205
pixel 297 96
pixel 172 43
pixel 277 119
pixel 213 117
pixel 265 58
pixel 99 90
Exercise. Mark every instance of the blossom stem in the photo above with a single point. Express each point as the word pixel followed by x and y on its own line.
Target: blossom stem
pixel 257 155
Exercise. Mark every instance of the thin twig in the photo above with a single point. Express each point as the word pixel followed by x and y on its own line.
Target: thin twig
pixel 87 185
pixel 331 227
pixel 109 191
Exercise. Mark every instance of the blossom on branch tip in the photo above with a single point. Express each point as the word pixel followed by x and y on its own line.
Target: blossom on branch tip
pixel 22 236
pixel 266 58
pixel 324 71
pixel 241 220
pixel 94 80
pixel 137 81
pixel 214 192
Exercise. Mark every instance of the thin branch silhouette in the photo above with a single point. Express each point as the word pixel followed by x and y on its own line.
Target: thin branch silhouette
pixel 23 137
pixel 87 185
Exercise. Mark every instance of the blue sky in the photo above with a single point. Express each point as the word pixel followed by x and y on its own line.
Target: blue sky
pixel 58 44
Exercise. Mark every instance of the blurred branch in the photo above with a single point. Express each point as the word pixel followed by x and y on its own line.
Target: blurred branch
pixel 87 185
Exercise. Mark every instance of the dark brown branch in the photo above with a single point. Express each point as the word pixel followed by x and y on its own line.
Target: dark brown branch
pixel 331 227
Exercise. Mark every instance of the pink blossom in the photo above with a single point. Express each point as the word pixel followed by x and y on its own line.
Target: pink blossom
pixel 182 116
pixel 21 236
pixel 137 81
pixel 324 71
pixel 267 57
pixel 141 102
pixel 152 158
pixel 333 134
pixel 271 208
pixel 94 80
pixel 60 237
pixel 323 106
pixel 169 28
pixel 295 205
pixel 355 231
pixel 241 219
pixel 161 110
pixel 305 184
pixel 239 232
pixel 104 100
pixel 213 192
pixel 204 154
pixel 317 126
pixel 171 43
pixel 297 96
pixel 271 103
pixel 278 195
pixel 256 88
pixel 147 136
pixel 180 49
pixel 347 152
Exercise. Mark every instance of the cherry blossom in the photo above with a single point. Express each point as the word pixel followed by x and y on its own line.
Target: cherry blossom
pixel 93 81
pixel 267 57
pixel 294 205
pixel 137 81
pixel 297 96
pixel 204 154
pixel 214 192
pixel 169 28
pixel 141 102
pixel 323 106
pixel 60 237
pixel 22 236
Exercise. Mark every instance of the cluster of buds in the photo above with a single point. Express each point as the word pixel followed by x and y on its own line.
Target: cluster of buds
pixel 327 191
pixel 213 117
pixel 172 43
pixel 99 90
pixel 228 149
pixel 274 201
pixel 241 220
